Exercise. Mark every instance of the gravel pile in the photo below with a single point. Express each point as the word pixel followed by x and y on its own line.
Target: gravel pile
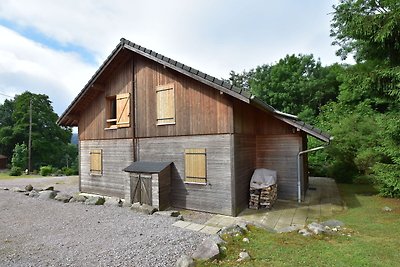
pixel 35 232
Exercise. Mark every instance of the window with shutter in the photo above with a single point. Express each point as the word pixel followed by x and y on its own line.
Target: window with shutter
pixel 195 165
pixel 118 111
pixel 96 162
pixel 123 110
pixel 165 104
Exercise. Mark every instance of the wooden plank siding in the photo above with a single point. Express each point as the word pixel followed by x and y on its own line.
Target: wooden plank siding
pixel 92 121
pixel 199 109
pixel 244 166
pixel 116 154
pixel 215 196
pixel 279 152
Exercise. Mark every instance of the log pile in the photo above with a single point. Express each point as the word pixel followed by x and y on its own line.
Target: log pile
pixel 263 198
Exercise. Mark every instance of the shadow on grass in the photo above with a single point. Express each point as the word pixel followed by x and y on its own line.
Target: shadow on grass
pixel 349 193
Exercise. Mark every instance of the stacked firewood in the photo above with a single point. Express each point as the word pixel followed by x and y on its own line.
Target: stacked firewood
pixel 263 198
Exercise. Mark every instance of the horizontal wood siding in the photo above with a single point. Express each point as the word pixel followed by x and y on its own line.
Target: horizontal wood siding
pixel 199 109
pixel 279 152
pixel 245 164
pixel 216 195
pixel 117 154
pixel 92 121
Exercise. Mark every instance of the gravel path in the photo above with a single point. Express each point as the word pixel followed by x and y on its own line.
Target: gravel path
pixel 35 232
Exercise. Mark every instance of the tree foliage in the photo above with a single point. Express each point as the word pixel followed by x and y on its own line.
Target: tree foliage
pixel 50 142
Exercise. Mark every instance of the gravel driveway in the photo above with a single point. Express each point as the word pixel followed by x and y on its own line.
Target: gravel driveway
pixel 35 232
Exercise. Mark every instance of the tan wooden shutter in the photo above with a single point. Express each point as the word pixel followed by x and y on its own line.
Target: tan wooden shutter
pixel 165 104
pixel 123 110
pixel 96 162
pixel 195 165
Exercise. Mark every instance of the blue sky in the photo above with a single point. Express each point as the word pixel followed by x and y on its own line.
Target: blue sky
pixel 53 47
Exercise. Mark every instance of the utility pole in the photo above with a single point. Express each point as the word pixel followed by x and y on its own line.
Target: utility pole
pixel 30 137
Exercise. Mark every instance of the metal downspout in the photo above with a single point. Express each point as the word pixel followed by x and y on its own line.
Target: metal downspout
pixel 299 171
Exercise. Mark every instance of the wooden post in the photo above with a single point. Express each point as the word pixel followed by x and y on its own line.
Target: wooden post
pixel 30 137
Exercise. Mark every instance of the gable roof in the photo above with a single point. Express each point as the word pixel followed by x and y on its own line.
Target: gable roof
pixel 125 47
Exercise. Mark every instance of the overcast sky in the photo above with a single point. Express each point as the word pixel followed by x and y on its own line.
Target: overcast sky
pixel 53 47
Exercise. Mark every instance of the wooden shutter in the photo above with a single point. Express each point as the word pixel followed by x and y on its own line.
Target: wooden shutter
pixel 123 110
pixel 165 104
pixel 96 162
pixel 195 165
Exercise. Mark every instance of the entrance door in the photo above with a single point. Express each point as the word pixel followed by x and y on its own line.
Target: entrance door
pixel 141 188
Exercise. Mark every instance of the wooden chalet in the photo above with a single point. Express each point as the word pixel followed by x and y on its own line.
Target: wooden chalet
pixel 144 110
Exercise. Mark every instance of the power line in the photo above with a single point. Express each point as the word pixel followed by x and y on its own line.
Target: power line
pixel 5 95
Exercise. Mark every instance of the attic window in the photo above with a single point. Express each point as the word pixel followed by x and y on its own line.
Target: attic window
pixel 118 111
pixel 165 104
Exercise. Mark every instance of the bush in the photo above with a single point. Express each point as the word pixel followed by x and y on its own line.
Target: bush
pixel 46 170
pixel 69 171
pixel 15 171
pixel 388 178
pixel 342 172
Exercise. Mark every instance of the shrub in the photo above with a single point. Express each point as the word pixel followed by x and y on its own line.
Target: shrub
pixel 342 172
pixel 69 171
pixel 388 179
pixel 46 170
pixel 15 171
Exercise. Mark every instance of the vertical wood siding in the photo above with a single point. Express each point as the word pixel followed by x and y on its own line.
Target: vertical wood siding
pixel 92 121
pixel 279 152
pixel 117 154
pixel 199 108
pixel 213 197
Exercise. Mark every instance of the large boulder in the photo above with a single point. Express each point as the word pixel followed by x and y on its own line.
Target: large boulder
pixel 28 187
pixel 63 197
pixel 18 190
pixel 78 198
pixel 143 208
pixel 95 200
pixel 208 250
pixel 185 261
pixel 113 202
pixel 34 193
pixel 232 230
pixel 47 194
pixel 316 228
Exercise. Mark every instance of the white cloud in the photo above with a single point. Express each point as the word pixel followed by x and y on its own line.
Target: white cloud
pixel 26 65
pixel 213 36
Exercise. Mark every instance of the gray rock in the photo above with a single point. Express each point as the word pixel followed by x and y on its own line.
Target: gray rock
pixel 26 193
pixel 208 250
pixel 333 223
pixel 18 189
pixel 38 189
pixel 316 228
pixel 387 209
pixel 95 201
pixel 243 256
pixel 168 213
pixel 63 197
pixel 185 261
pixel 217 239
pixel 246 240
pixel 47 194
pixel 113 202
pixel 50 188
pixel 288 229
pixel 78 198
pixel 231 230
pixel 5 188
pixel 242 225
pixel 304 232
pixel 180 218
pixel 28 187
pixel 34 193
pixel 143 208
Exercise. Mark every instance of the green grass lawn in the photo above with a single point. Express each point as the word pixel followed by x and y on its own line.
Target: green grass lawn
pixel 374 238
pixel 6 176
